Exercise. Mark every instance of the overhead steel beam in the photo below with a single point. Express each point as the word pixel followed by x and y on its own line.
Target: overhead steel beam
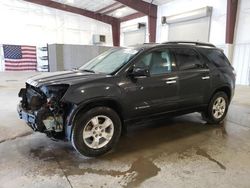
pixel 107 7
pixel 231 19
pixel 113 9
pixel 132 16
pixel 141 6
pixel 68 8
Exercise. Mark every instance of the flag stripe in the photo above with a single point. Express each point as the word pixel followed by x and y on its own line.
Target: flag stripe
pixel 18 68
pixel 29 52
pixel 22 64
pixel 24 69
pixel 29 56
pixel 20 61
pixel 29 49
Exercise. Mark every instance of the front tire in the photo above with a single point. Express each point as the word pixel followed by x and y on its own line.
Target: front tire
pixel 96 131
pixel 217 108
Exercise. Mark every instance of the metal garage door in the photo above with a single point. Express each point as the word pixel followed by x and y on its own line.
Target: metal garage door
pixel 134 37
pixel 195 30
pixel 190 26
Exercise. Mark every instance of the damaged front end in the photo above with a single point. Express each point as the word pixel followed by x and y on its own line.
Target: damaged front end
pixel 42 109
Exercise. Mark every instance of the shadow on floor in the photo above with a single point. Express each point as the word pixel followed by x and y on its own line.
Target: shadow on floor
pixel 143 138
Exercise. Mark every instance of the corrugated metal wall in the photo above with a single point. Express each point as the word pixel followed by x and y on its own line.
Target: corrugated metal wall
pixel 241 63
pixel 241 58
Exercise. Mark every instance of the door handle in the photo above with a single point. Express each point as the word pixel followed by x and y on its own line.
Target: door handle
pixel 171 82
pixel 205 77
pixel 172 78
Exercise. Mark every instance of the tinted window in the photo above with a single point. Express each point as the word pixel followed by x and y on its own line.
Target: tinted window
pixel 158 62
pixel 187 59
pixel 216 57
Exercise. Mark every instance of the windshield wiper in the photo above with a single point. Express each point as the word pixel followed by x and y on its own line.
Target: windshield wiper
pixel 87 70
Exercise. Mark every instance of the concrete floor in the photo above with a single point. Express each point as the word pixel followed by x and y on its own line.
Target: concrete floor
pixel 178 152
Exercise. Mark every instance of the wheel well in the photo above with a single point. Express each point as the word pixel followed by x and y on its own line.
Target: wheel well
pixel 107 103
pixel 226 90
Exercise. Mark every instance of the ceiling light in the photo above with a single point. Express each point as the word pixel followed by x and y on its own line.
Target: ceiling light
pixel 118 13
pixel 70 1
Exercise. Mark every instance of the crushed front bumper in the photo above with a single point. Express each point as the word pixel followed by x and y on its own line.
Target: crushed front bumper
pixel 27 116
pixel 42 121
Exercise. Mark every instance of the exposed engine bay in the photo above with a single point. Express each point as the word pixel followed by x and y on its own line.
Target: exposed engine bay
pixel 42 108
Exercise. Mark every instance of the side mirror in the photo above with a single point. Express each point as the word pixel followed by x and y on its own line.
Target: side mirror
pixel 139 72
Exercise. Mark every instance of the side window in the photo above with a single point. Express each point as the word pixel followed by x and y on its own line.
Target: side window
pixel 216 57
pixel 187 59
pixel 158 62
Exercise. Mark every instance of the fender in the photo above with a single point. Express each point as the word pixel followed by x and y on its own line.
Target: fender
pixel 69 122
pixel 220 87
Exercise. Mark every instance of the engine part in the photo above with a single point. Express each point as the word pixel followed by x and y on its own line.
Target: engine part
pixel 53 123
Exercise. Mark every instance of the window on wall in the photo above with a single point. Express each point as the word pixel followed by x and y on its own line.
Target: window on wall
pixel 158 62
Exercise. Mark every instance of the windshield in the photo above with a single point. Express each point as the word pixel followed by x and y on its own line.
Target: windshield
pixel 109 61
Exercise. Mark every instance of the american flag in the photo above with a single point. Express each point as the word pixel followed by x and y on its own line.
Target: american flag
pixel 20 58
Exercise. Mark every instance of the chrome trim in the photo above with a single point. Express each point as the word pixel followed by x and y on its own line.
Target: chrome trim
pixel 205 77
pixel 171 82
pixel 172 78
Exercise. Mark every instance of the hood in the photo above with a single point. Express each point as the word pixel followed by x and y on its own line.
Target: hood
pixel 63 77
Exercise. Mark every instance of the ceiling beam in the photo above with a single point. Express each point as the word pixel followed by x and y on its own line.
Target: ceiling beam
pixel 107 7
pixel 113 9
pixel 132 16
pixel 141 6
pixel 97 16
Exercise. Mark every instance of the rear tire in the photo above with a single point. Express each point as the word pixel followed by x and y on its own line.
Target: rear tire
pixel 96 131
pixel 217 108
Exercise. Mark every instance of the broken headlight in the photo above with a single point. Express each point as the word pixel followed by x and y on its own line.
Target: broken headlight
pixel 56 91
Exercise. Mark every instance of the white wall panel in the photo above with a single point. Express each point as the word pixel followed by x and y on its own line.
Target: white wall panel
pixel 241 63
pixel 32 24
pixel 134 37
pixel 241 59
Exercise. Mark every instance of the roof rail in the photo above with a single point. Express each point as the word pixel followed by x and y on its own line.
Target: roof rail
pixel 150 43
pixel 190 42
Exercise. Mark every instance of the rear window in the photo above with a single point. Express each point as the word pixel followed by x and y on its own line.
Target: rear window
pixel 216 57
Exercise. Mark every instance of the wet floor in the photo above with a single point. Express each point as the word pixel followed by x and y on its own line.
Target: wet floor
pixel 177 152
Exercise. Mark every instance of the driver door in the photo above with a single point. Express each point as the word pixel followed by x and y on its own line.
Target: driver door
pixel 156 93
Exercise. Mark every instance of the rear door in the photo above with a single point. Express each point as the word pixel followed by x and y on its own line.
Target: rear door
pixel 194 77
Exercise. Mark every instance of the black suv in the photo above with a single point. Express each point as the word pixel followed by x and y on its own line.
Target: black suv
pixel 91 106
